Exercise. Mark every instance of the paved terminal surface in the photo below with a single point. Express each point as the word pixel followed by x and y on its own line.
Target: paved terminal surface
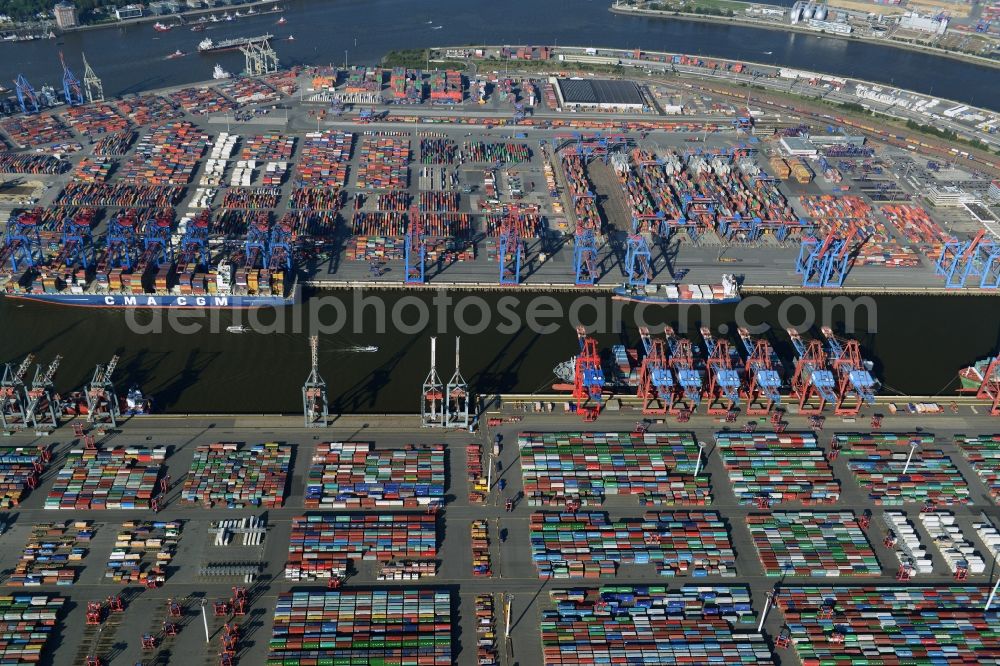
pixel 118 640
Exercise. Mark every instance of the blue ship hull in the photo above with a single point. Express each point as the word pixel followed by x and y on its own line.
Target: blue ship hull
pixel 158 301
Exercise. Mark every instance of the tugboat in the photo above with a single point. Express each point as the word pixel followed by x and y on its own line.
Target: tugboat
pixel 219 74
pixel 198 28
pixel 160 27
pixel 176 54
pixel 237 329
pixel 282 21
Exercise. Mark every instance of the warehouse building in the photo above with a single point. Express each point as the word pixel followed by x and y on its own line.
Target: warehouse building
pixel 600 95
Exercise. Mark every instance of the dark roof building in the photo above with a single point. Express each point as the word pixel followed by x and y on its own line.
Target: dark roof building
pixel 600 93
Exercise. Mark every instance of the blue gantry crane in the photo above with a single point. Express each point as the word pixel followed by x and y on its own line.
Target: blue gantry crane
pixel 827 263
pixel 510 250
pixel 77 241
pixel 855 384
pixel 121 241
pixel 724 382
pixel 279 249
pixel 585 256
pixel 415 249
pixel 255 245
pixel 156 248
pixel 72 90
pixel 961 260
pixel 193 250
pixel 27 98
pixel 656 384
pixel 22 243
pixel 638 258
pixel 688 377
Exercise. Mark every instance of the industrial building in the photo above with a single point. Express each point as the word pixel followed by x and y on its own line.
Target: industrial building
pixel 600 94
pixel 128 12
pixel 65 14
pixel 797 146
pixel 914 21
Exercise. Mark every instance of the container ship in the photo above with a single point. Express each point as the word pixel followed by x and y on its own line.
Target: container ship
pixel 972 377
pixel 672 294
pixel 621 370
pixel 208 45
pixel 145 263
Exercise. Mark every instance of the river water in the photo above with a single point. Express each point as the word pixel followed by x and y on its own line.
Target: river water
pixel 131 59
pixel 918 346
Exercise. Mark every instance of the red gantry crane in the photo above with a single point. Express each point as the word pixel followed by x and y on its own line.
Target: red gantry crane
pixel 588 377
pixel 763 381
pixel 855 385
pixel 686 399
pixel 983 379
pixel 812 384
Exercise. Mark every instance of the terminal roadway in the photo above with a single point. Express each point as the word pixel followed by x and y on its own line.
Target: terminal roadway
pixel 514 572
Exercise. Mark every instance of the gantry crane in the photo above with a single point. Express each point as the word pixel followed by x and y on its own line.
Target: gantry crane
pixel 256 243
pixel 855 385
pixel 43 404
pixel 457 408
pixel 415 249
pixel 811 380
pixel 826 264
pixel 22 243
pixel 13 410
pixel 638 257
pixel 156 248
pixel 588 377
pixel 432 404
pixel 961 260
pixel 121 241
pixel 193 250
pixel 27 98
pixel 724 383
pixel 688 378
pixel 77 247
pixel 92 83
pixel 72 91
pixel 315 403
pixel 102 401
pixel 510 250
pixel 989 383
pixel 585 256
pixel 279 249
pixel 656 384
pixel 763 381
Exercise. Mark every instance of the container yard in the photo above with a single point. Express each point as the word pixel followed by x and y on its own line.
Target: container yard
pixel 545 195
pixel 619 523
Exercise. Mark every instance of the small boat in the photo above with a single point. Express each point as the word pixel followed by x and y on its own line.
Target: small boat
pixel 227 17
pixel 282 21
pixel 219 74
pixel 430 23
pixel 162 27
pixel 198 28
pixel 251 11
pixel 237 329
pixel 213 18
pixel 768 52
pixel 238 15
pixel 176 54
pixel 436 27
pixel 291 38
pixel 367 349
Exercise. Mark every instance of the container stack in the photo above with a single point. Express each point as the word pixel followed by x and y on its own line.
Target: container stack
pixel 53 555
pixel 812 543
pixel 34 131
pixel 956 550
pixel 474 474
pixel 355 475
pixel 149 109
pixel 650 625
pixel 114 145
pixel 915 624
pixel 18 465
pixel 486 631
pixel 94 119
pixel 92 171
pixel 983 453
pixel 493 153
pixel 587 467
pixel 238 477
pixel 101 195
pixel 786 467
pixel 407 570
pixel 142 549
pixel 33 164
pixel 835 215
pixel 119 478
pixel 202 101
pixel 323 159
pixel 252 198
pixel 385 159
pixel 908 549
pixel 362 627
pixel 437 150
pixel 989 535
pixel 27 622
pixel 167 155
pixel 321 545
pixel 316 198
pixel 917 227
pixel 589 545
pixel 249 90
pixel 877 461
pixel 481 549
